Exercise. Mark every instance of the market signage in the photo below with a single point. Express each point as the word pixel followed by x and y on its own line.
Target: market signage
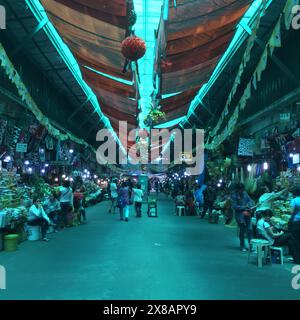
pixel 285 116
pixel 2 278
pixel 2 18
pixel 21 147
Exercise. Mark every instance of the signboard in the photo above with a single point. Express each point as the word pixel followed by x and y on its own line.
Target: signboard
pixel 143 180
pixel 245 148
pixel 21 147
pixel 285 116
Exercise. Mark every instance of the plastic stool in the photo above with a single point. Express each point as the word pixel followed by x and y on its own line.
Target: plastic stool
pixel 34 233
pixel 280 250
pixel 261 245
pixel 180 210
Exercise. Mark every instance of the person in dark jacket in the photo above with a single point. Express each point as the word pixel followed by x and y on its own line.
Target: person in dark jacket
pixel 242 205
pixel 209 195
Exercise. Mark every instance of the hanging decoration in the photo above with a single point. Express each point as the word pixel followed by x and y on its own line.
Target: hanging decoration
pixel 273 42
pixel 154 116
pixel 133 49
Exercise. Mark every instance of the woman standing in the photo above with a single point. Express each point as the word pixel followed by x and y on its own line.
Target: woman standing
pixel 113 195
pixel 124 201
pixel 66 201
pixel 138 199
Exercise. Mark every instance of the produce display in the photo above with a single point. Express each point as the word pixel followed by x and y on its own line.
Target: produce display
pixel 9 193
pixel 92 191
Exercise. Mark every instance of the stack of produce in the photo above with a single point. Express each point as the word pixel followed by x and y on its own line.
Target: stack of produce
pixel 9 195
pixel 92 191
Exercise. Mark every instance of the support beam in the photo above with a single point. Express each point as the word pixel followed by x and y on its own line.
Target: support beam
pixel 92 128
pixel 28 37
pixel 280 64
pixel 12 97
pixel 290 98
pixel 79 108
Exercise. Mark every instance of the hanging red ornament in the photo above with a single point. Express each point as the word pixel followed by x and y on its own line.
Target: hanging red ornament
pixel 133 48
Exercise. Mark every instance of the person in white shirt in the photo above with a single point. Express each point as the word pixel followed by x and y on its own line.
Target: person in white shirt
pixel 66 202
pixel 138 199
pixel 277 239
pixel 113 196
pixel 38 217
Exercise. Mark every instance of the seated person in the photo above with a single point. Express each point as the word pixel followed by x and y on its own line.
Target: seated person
pixel 38 217
pixel 52 209
pixel 277 239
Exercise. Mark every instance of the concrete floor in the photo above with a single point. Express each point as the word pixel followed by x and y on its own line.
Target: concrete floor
pixel 168 257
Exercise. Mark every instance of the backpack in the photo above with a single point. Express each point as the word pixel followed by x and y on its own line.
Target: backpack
pixel 121 203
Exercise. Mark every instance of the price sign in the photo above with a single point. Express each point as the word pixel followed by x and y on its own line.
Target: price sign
pixel 21 147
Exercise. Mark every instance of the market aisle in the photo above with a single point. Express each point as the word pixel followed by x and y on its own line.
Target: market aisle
pixel 168 257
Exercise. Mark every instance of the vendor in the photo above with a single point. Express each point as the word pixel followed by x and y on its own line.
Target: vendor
pixel 66 201
pixel 265 202
pixel 294 223
pixel 277 239
pixel 242 205
pixel 53 209
pixel 38 217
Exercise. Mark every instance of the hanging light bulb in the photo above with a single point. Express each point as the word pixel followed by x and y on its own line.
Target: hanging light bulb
pixel 29 170
pixel 249 168
pixel 26 162
pixel 7 159
pixel 266 166
pixel 71 151
pixel 46 165
pixel 63 176
pixel 56 179
pixel 43 171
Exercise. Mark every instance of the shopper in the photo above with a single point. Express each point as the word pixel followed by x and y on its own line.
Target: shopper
pixel 242 205
pixel 294 223
pixel 78 201
pixel 38 217
pixel 53 209
pixel 124 201
pixel 113 196
pixel 277 239
pixel 209 197
pixel 66 203
pixel 138 199
pixel 190 203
